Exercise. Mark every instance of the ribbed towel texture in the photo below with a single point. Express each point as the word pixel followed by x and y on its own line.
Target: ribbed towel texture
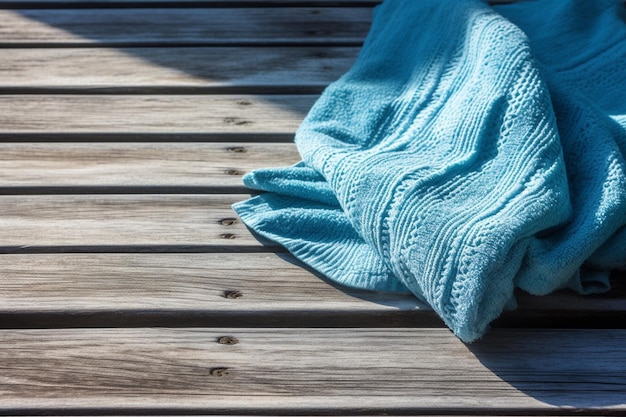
pixel 469 150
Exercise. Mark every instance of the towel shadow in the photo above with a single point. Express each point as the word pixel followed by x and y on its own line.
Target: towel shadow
pixel 396 300
pixel 570 368
pixel 575 368
pixel 567 368
pixel 203 52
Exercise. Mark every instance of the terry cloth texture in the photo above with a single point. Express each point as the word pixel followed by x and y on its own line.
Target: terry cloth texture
pixel 469 150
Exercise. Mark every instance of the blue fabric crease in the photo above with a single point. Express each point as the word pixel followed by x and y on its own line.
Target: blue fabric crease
pixel 468 151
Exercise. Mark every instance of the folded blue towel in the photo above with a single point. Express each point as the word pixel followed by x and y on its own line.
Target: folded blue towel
pixel 469 150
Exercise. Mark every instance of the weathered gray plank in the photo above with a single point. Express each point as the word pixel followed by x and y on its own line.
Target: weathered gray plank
pixel 124 68
pixel 266 281
pixel 304 370
pixel 149 289
pixel 152 114
pixel 215 26
pixel 54 220
pixel 137 164
pixel 207 3
pixel 221 3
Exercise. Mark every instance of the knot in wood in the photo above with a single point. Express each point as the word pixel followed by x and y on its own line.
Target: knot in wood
pixel 234 171
pixel 229 221
pixel 233 294
pixel 219 372
pixel 236 121
pixel 228 236
pixel 237 149
pixel 228 340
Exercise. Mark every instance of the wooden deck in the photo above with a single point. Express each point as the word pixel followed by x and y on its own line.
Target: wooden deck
pixel 128 286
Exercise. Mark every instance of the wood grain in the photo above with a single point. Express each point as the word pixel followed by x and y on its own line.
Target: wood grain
pixel 269 336
pixel 168 68
pixel 178 282
pixel 218 165
pixel 171 114
pixel 312 370
pixel 205 3
pixel 215 26
pixel 188 289
pixel 113 220
pixel 179 289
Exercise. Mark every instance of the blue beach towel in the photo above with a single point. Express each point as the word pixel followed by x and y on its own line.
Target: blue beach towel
pixel 469 150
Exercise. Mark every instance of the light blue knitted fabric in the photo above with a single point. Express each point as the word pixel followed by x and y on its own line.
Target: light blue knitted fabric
pixel 469 150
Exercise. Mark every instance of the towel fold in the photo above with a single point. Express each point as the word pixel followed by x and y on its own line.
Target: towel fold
pixel 468 151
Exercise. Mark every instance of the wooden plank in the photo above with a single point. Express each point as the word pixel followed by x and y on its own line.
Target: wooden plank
pixel 203 3
pixel 177 289
pixel 218 165
pixel 215 26
pixel 112 220
pixel 178 282
pixel 417 371
pixel 108 290
pixel 174 114
pixel 213 67
pixel 265 281
pixel 206 3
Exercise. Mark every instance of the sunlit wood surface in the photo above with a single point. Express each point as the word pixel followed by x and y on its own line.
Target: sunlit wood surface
pixel 129 287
